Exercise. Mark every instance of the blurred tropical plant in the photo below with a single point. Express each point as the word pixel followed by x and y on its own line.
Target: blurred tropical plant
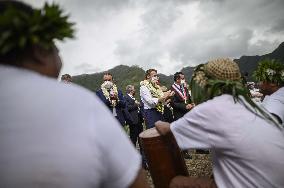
pixel 270 70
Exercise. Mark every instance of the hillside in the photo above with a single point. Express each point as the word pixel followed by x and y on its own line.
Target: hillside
pixel 249 63
pixel 125 75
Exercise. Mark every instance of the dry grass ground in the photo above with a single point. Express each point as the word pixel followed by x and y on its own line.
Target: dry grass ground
pixel 199 166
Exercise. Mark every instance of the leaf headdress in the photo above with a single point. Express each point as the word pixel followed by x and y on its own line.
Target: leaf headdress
pixel 21 29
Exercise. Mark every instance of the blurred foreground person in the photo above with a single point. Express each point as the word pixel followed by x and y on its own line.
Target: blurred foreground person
pixel 270 73
pixel 53 134
pixel 247 144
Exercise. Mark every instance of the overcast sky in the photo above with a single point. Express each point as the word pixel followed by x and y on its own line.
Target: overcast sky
pixel 167 34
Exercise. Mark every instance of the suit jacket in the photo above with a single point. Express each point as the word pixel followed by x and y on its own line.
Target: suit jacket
pixel 119 107
pixel 178 104
pixel 133 110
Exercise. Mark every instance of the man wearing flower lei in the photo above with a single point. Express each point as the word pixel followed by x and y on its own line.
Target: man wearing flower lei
pixel 246 141
pixel 153 98
pixel 112 97
pixel 270 74
pixel 53 134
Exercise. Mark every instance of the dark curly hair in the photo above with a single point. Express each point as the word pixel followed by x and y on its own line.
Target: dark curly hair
pixel 177 75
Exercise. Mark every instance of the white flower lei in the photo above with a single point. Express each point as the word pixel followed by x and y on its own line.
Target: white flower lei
pixel 107 96
pixel 282 75
pixel 270 72
pixel 156 92
pixel 200 78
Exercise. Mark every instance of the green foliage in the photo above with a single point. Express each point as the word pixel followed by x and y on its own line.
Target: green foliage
pixel 166 80
pixel 123 76
pixel 270 70
pixel 20 29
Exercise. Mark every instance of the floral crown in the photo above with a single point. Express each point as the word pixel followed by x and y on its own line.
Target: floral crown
pixel 270 70
pixel 21 29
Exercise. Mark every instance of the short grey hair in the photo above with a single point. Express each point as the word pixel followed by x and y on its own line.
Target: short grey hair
pixel 129 88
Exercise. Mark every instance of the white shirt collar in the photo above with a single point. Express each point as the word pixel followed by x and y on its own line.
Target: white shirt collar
pixel 130 96
pixel 178 85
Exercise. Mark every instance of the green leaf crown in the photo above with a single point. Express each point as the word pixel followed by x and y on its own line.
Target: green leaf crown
pixel 21 29
pixel 270 70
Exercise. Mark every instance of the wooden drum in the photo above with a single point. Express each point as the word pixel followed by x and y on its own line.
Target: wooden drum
pixel 164 157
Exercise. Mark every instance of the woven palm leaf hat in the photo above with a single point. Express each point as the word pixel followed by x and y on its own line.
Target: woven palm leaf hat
pixel 223 69
pixel 214 78
pixel 223 76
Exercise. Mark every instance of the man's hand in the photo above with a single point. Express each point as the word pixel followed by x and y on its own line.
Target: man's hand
pixel 163 127
pixel 172 93
pixel 166 95
pixel 168 101
pixel 189 106
pixel 137 103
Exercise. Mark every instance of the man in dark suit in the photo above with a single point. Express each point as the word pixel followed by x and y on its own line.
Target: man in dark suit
pixel 134 119
pixel 112 97
pixel 181 101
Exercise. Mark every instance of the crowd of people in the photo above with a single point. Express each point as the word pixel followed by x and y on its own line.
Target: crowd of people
pixel 54 134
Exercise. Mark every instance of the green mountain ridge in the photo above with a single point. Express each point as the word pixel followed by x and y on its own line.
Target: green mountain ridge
pixel 125 75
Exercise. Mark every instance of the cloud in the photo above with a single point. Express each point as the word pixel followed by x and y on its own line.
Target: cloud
pixel 168 34
pixel 278 26
pixel 87 68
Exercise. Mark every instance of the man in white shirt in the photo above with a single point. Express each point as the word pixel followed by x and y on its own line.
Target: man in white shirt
pixel 53 134
pixel 153 98
pixel 274 103
pixel 247 144
pixel 270 73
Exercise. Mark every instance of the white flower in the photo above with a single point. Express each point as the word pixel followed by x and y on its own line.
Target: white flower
pixel 282 75
pixel 270 72
pixel 107 84
pixel 200 78
pixel 105 89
